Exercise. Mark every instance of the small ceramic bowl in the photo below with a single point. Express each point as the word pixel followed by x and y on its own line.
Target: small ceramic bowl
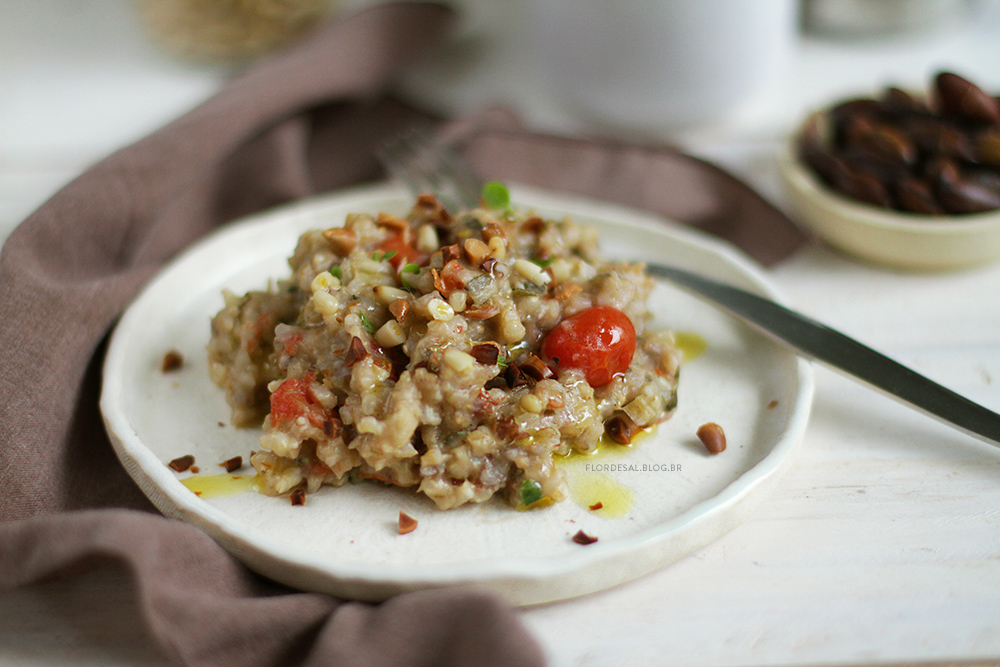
pixel 882 236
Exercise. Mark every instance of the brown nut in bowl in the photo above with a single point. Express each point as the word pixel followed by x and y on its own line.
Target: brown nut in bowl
pixel 900 179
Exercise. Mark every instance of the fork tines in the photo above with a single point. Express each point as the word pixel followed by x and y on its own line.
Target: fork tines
pixel 425 165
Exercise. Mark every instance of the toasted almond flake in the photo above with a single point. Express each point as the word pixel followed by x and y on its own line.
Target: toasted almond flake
pixel 407 524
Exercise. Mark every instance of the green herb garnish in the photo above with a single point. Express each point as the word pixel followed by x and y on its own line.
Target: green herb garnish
pixel 409 268
pixel 366 323
pixel 384 256
pixel 544 263
pixel 496 195
pixel 531 492
pixel 336 272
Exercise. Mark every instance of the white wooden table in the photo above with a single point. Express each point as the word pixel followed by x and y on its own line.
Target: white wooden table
pixel 880 545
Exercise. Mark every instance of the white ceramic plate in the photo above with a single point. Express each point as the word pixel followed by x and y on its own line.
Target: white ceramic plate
pixel 673 495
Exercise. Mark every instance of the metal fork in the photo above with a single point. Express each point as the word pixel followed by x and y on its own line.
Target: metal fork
pixel 425 165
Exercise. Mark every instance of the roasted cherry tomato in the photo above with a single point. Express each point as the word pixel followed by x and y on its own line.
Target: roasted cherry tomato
pixel 404 253
pixel 599 341
pixel 293 398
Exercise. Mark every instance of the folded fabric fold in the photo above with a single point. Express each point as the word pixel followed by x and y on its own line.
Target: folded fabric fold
pixel 305 121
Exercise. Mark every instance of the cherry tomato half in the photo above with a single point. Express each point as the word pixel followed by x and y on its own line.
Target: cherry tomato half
pixel 599 341
pixel 402 252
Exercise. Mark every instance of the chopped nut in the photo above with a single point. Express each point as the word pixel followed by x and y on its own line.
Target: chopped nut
pixel 342 241
pixel 298 497
pixel 395 224
pixel 535 368
pixel 182 463
pixel 194 470
pixel 450 252
pixel 399 308
pixel 533 225
pixel 566 291
pixel 583 538
pixel 172 360
pixel 355 353
pixel 476 251
pixel 621 428
pixel 483 311
pixel 407 524
pixel 486 353
pixel 233 464
pixel 713 437
pixel 596 506
pixel 772 405
pixel 492 230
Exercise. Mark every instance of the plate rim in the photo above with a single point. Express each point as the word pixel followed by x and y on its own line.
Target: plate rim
pixel 378 582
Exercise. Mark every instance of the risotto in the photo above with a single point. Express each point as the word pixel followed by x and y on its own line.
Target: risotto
pixel 460 353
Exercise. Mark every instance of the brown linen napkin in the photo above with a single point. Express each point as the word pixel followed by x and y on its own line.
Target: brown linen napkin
pixel 305 121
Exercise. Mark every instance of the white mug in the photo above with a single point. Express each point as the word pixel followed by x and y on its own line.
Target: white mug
pixel 661 64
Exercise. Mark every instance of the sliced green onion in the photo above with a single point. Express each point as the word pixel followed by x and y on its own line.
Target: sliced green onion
pixel 496 195
pixel 531 492
pixel 336 272
pixel 410 268
pixel 544 263
pixel 366 323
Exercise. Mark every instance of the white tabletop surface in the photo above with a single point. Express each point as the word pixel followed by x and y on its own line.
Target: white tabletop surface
pixel 882 542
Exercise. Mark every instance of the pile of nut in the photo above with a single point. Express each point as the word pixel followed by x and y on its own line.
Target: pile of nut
pixel 933 156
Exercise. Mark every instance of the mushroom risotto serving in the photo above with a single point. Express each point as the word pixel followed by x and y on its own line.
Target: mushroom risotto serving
pixel 457 352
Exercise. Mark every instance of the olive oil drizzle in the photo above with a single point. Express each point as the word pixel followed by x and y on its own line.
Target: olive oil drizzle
pixel 221 486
